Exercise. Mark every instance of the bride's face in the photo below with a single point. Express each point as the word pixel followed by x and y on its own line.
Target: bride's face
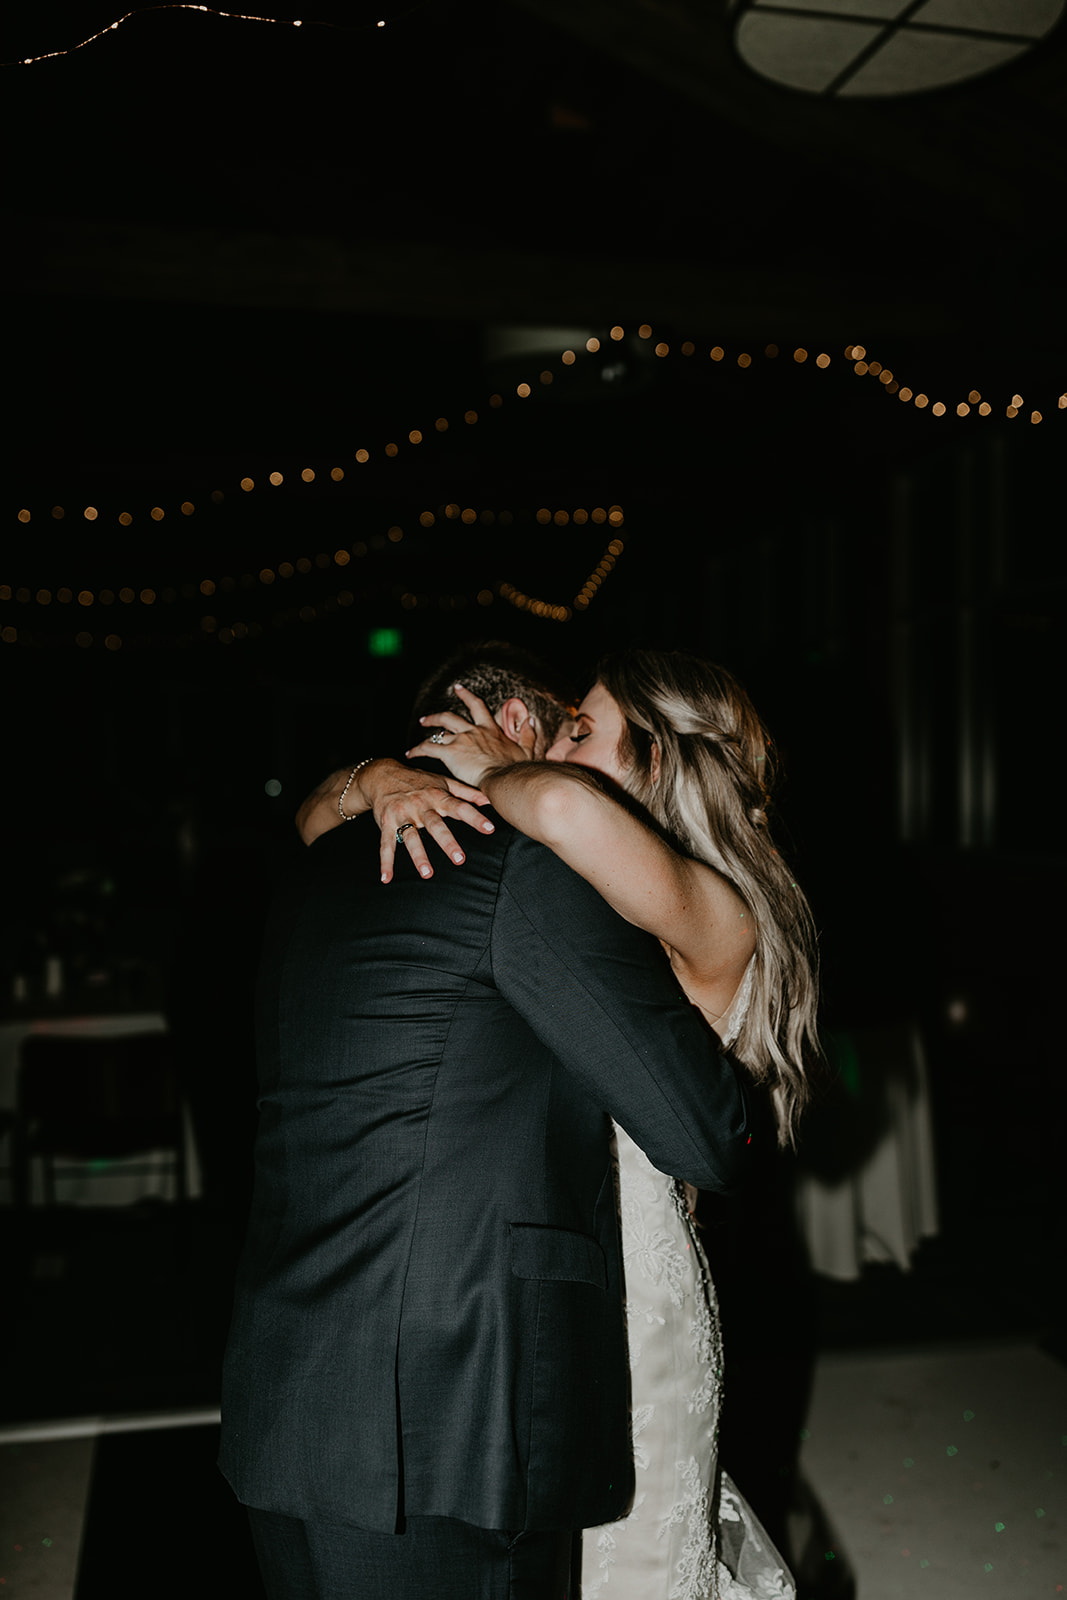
pixel 592 739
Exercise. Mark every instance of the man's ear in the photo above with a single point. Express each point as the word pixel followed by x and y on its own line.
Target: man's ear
pixel 517 723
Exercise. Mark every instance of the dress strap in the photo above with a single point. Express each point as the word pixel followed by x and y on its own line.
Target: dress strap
pixel 737 1010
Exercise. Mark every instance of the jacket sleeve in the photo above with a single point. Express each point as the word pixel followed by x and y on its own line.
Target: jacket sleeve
pixel 600 993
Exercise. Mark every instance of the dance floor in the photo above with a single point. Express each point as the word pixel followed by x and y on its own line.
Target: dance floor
pixel 940 1471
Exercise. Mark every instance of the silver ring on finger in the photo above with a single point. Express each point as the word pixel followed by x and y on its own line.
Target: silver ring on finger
pixel 437 738
pixel 400 832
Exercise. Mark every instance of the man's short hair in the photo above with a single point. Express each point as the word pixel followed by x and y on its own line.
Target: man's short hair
pixel 496 672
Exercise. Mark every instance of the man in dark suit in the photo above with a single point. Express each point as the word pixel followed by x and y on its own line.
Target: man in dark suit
pixel 426 1383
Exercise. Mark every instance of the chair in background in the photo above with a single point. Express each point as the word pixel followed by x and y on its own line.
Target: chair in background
pixel 90 1100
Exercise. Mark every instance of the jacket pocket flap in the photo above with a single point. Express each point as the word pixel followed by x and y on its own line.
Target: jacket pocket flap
pixel 556 1253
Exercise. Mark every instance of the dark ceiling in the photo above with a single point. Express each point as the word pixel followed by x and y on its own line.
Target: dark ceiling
pixel 237 246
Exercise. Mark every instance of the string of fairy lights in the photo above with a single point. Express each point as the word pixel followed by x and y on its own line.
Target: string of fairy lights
pixel 210 591
pixel 856 360
pixel 213 11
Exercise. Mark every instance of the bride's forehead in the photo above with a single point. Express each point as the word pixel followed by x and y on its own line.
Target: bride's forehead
pixel 598 703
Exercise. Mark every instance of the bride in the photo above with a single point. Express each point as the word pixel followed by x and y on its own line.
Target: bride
pixel 656 793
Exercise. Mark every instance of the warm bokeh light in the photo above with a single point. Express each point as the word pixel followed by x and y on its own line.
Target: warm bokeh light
pixel 822 360
pixel 414 437
pixel 362 455
pixel 276 478
pixel 90 514
pixel 744 359
pixel 85 597
pixel 617 333
pixel 247 484
pixel 392 450
pixel 337 473
pixel 800 354
pixel 522 390
pixel 717 352
pixel 156 513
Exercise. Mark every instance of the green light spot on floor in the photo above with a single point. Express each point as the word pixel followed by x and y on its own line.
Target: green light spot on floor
pixel 999 1526
pixel 952 1451
pixel 968 1416
pixel 1040 1512
pixel 887 1499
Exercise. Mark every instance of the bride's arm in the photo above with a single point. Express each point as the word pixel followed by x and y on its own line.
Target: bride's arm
pixel 696 914
pixel 396 794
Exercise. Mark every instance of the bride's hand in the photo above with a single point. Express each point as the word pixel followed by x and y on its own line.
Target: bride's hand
pixel 470 749
pixel 401 796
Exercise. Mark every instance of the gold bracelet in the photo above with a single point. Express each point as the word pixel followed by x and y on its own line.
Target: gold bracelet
pixel 350 816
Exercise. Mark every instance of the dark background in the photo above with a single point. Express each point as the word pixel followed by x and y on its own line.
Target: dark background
pixel 236 248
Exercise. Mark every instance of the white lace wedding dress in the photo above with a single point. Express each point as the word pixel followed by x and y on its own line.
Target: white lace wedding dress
pixel 690 1535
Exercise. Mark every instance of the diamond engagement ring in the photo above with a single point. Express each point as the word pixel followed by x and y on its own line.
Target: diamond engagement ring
pixel 437 738
pixel 400 832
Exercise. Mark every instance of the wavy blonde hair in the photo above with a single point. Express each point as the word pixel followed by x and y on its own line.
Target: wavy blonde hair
pixel 711 797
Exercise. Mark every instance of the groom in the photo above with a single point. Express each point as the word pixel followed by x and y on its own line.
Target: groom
pixel 426 1383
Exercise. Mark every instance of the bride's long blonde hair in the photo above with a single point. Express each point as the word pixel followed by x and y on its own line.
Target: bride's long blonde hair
pixel 711 796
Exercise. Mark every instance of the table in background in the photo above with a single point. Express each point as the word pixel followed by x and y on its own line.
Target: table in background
pixel 879 1199
pixel 154 1177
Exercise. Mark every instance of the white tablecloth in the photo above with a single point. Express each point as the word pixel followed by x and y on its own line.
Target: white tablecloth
pixel 885 1202
pixel 117 1185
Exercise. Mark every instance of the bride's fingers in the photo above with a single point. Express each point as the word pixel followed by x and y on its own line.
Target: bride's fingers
pixel 478 708
pixel 463 791
pixel 462 812
pixel 447 721
pixel 441 833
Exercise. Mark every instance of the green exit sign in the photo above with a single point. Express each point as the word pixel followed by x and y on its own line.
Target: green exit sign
pixel 385 642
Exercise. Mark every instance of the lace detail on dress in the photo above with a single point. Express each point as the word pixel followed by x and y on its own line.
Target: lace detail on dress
pixel 688 1537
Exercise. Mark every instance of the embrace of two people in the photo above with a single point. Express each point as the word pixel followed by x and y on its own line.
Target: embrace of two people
pixel 473 1316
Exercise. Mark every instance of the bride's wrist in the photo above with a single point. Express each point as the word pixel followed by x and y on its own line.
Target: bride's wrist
pixel 354 798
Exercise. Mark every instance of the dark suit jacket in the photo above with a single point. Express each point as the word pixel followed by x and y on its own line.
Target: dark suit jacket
pixel 428 1315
